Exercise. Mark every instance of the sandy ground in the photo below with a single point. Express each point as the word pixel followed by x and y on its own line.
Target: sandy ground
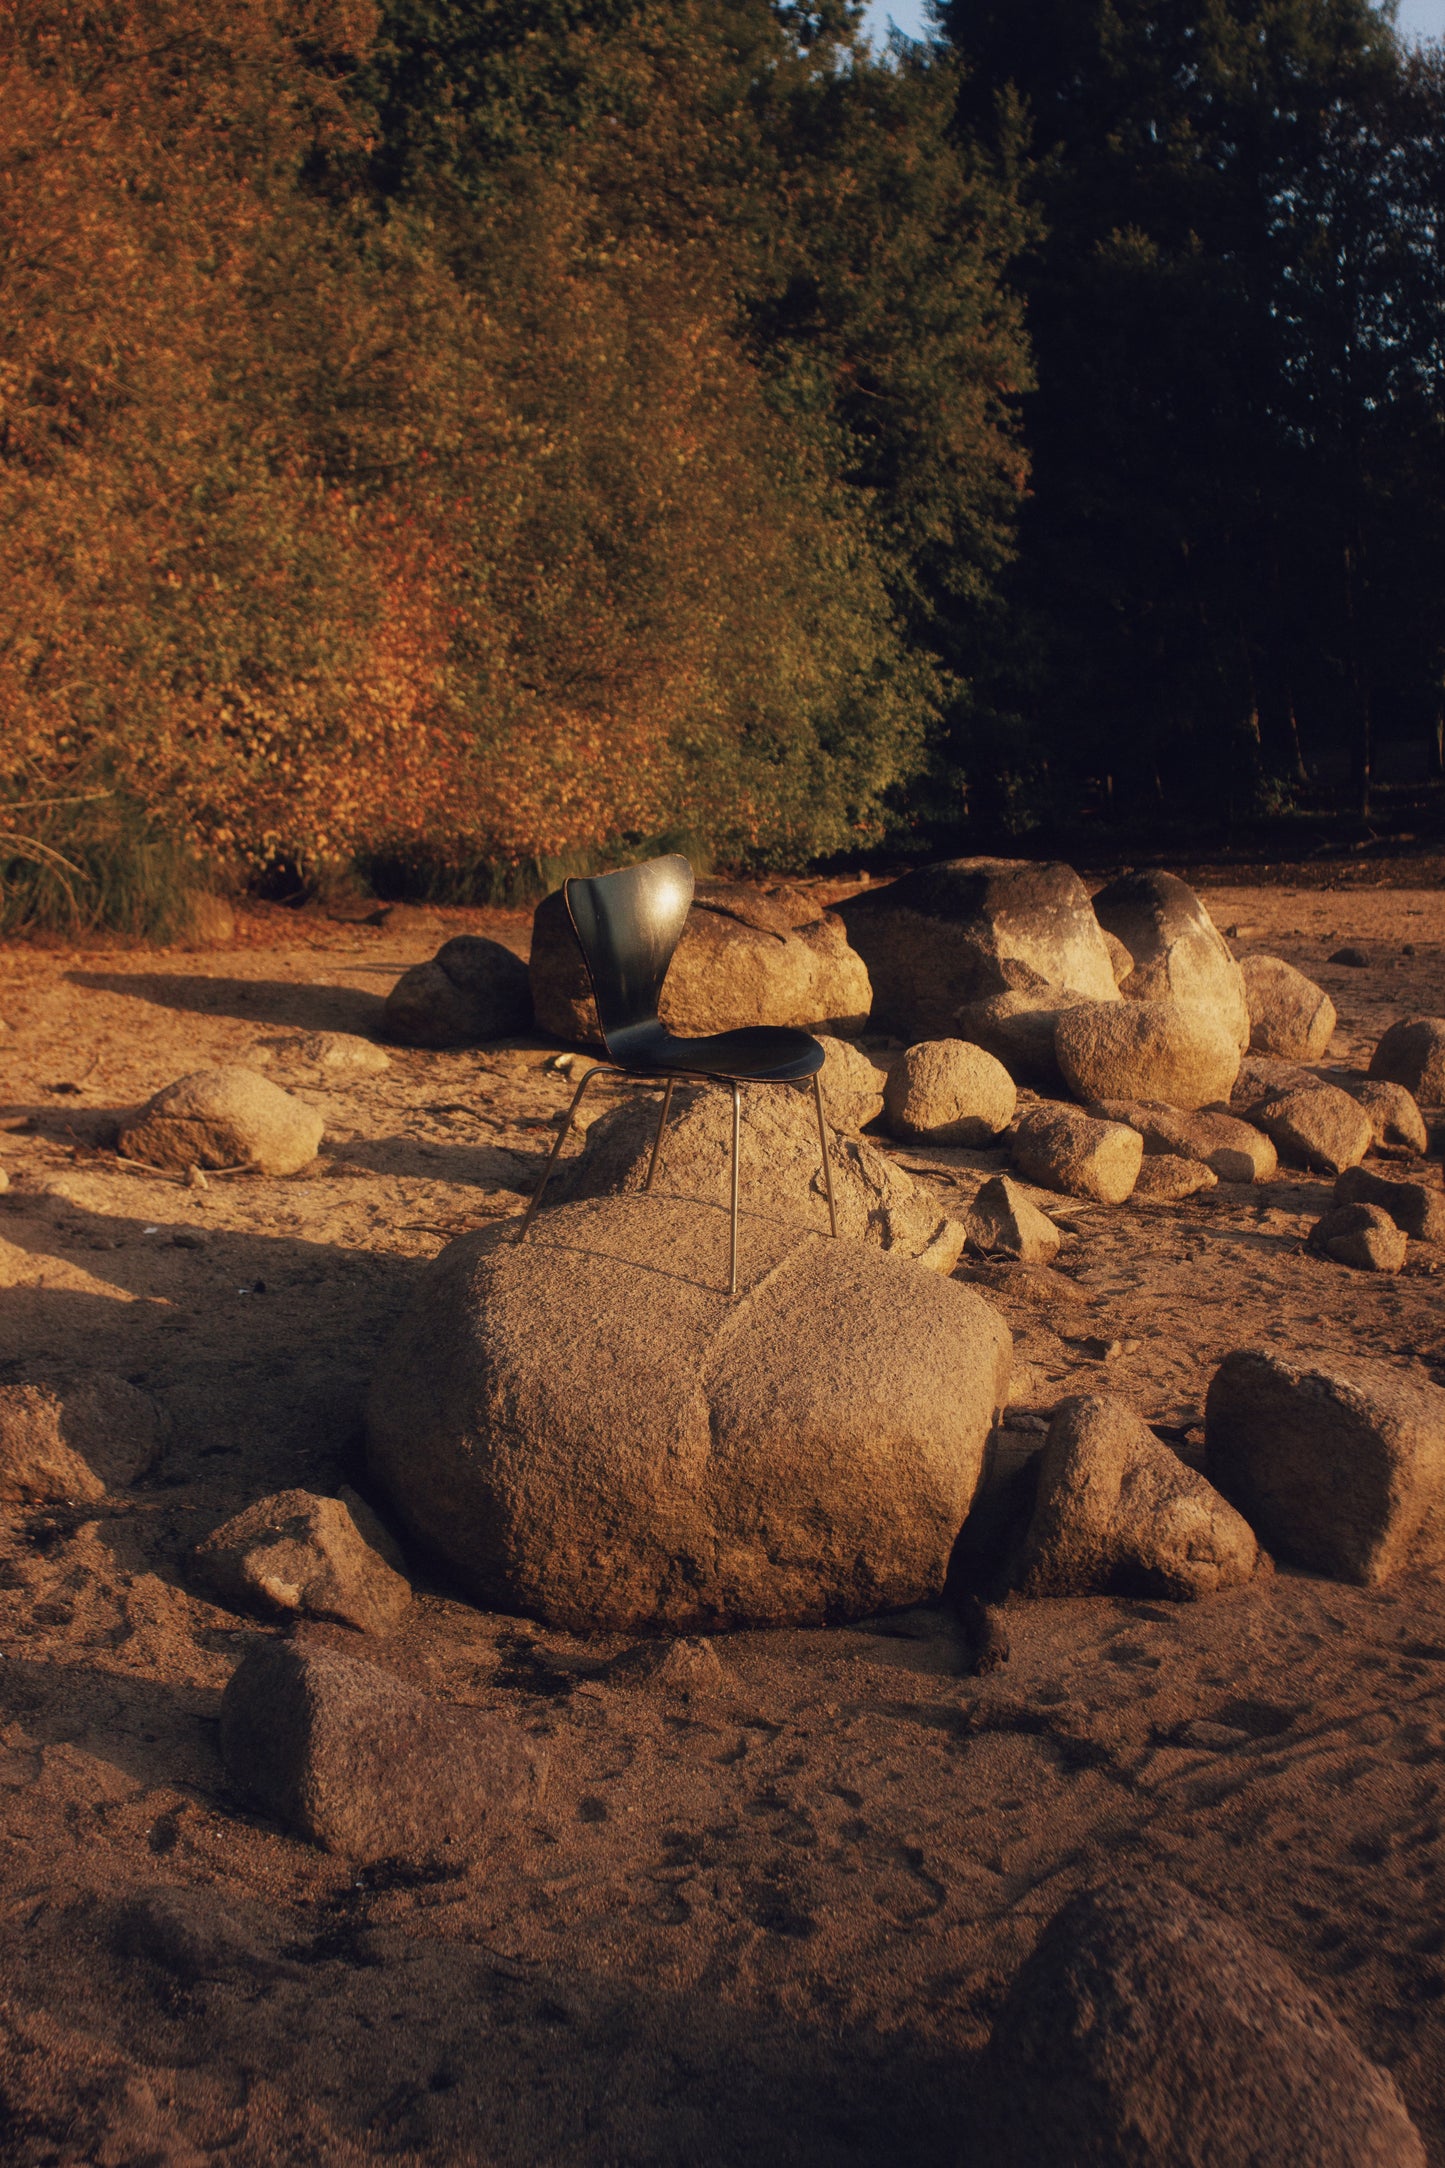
pixel 766 1922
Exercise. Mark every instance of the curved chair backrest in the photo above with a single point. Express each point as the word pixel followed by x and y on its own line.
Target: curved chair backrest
pixel 628 924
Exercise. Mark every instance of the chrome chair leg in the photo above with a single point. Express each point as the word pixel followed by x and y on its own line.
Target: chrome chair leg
pixel 733 1250
pixel 823 1146
pixel 661 1125
pixel 562 1135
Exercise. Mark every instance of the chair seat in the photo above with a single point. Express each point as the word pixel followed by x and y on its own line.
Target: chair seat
pixel 760 1053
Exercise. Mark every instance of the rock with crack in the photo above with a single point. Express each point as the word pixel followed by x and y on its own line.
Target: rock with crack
pixel 1412 1053
pixel 1361 1235
pixel 1163 1050
pixel 472 990
pixel 1179 953
pixel 1232 1150
pixel 1394 1113
pixel 948 1092
pixel 781 1168
pixel 298 1555
pixel 1148 2031
pixel 1117 1514
pixel 1417 1208
pixel 226 1117
pixel 365 1765
pixel 1317 1126
pixel 77 1442
pixel 1338 1465
pixel 852 1084
pixel 1063 1148
pixel 746 956
pixel 948 937
pixel 1289 1016
pixel 591 1433
pixel 1004 1221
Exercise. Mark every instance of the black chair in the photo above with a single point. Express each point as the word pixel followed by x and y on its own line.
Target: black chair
pixel 628 926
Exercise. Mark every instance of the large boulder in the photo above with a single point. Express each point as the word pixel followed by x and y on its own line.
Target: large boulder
pixel 852 1084
pixel 359 1761
pixel 1394 1113
pixel 952 936
pixel 1179 953
pixel 1412 1053
pixel 1317 1126
pixel 1339 1465
pixel 587 1430
pixel 226 1117
pixel 1018 1032
pixel 746 956
pixel 1361 1235
pixel 781 1172
pixel 1117 1514
pixel 298 1555
pixel 472 990
pixel 1417 1208
pixel 948 1092
pixel 1289 1016
pixel 1167 1050
pixel 1232 1150
pixel 1063 1148
pixel 1147 2031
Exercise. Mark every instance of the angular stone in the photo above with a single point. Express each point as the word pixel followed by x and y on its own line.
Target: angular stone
pixel 1062 1148
pixel 781 1169
pixel 360 1762
pixel 1179 953
pixel 1233 1150
pixel 1417 1208
pixel 949 1092
pixel 226 1117
pixel 590 1432
pixel 341 1051
pixel 297 1555
pixel 1289 1016
pixel 1162 1050
pixel 1361 1235
pixel 75 1444
pixel 1147 2031
pixel 1167 1178
pixel 1394 1113
pixel 1004 1221
pixel 1118 1514
pixel 852 1084
pixel 471 990
pixel 745 957
pixel 1412 1053
pixel 1338 1465
pixel 964 931
pixel 1317 1126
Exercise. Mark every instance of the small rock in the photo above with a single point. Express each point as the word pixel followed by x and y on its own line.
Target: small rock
pixel 1018 1031
pixel 296 1555
pixel 1004 1221
pixel 1412 1053
pixel 1165 1050
pixel 1233 1150
pixel 852 1084
pixel 1338 1465
pixel 1394 1114
pixel 1417 1208
pixel 339 1050
pixel 1147 2031
pixel 76 1444
pixel 1209 1738
pixel 1289 1016
pixel 1061 1148
pixel 226 1117
pixel 1166 1178
pixel 205 920
pixel 1318 1126
pixel 949 1092
pixel 1361 1235
pixel 472 990
pixel 690 1667
pixel 1118 1514
pixel 360 1762
pixel 190 1934
pixel 1349 954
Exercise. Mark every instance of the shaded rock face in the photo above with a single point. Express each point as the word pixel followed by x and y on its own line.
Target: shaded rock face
pixel 75 1444
pixel 227 1117
pixel 949 1092
pixel 1416 1208
pixel 1394 1114
pixel 472 990
pixel 1004 1221
pixel 354 1758
pixel 1360 1235
pixel 1412 1053
pixel 303 1556
pixel 745 957
pixel 781 1175
pixel 1160 1050
pixel 588 1431
pixel 1118 1514
pixel 1339 1466
pixel 1020 1034
pixel 1179 953
pixel 955 935
pixel 1063 1148
pixel 1317 1126
pixel 852 1084
pixel 1289 1016
pixel 1147 2031
pixel 1232 1150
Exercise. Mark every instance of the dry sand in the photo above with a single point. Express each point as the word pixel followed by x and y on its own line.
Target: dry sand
pixel 765 1921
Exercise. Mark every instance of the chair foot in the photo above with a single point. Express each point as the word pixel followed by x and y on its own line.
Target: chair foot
pixel 562 1135
pixel 661 1125
pixel 823 1148
pixel 733 1245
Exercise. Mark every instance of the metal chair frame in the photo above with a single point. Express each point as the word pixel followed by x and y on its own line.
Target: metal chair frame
pixel 645 996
